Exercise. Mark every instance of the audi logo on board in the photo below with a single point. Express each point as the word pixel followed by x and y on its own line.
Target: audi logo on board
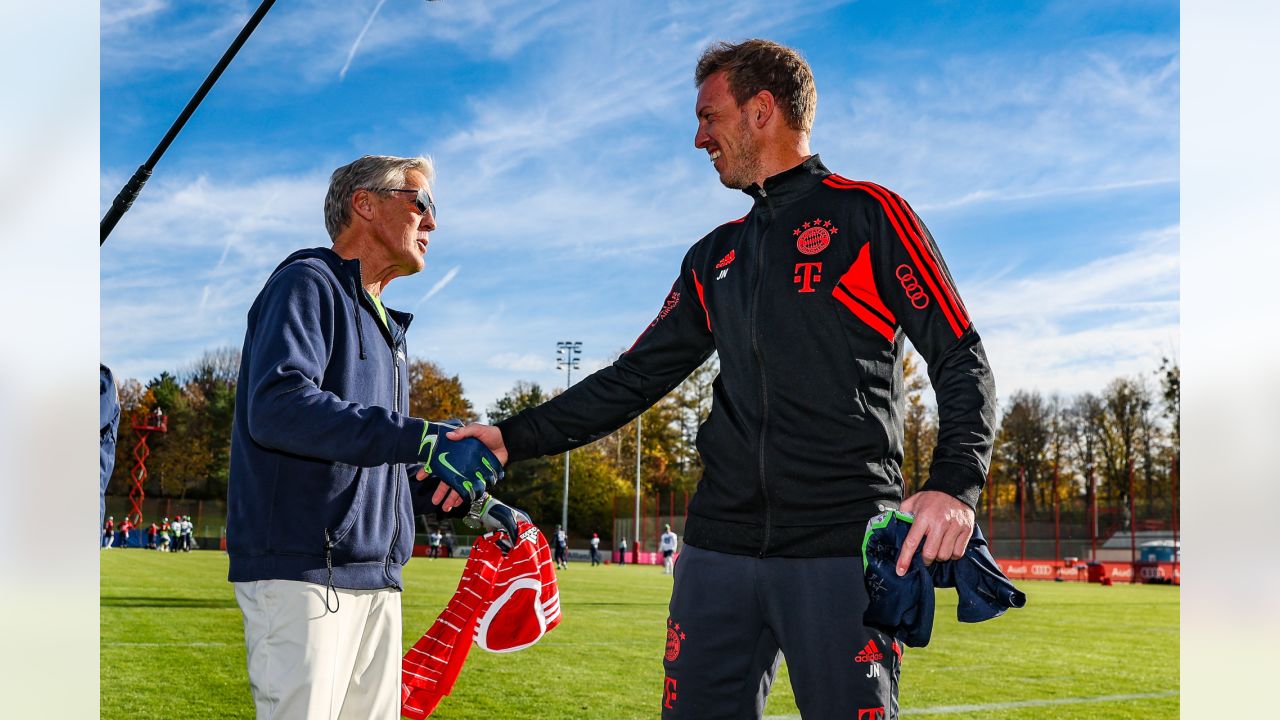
pixel 915 293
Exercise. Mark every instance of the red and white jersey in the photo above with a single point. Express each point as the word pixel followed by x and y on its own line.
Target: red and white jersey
pixel 503 604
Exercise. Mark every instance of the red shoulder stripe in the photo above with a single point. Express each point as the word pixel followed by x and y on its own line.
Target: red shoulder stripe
pixel 929 253
pixel 919 253
pixel 859 281
pixel 863 313
pixel 933 252
pixel 698 286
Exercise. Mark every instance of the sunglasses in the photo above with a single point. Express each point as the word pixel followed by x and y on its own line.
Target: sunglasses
pixel 421 199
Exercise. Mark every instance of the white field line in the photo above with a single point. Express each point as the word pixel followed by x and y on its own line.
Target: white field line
pixel 168 644
pixel 944 709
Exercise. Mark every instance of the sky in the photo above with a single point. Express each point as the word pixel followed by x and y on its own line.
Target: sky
pixel 1038 141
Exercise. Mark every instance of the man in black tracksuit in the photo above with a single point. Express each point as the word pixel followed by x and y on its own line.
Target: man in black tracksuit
pixel 808 299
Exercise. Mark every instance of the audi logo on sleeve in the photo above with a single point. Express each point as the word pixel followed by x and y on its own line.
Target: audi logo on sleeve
pixel 915 293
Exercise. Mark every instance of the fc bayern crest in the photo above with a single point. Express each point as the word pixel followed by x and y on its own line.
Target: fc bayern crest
pixel 674 638
pixel 814 236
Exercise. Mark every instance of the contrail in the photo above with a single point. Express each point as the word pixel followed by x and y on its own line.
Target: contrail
pixel 359 39
pixel 448 277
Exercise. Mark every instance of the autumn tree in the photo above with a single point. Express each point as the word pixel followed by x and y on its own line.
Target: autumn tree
pixel 135 402
pixel 210 389
pixel 1057 454
pixel 661 442
pixel 436 396
pixel 534 485
pixel 1023 444
pixel 522 396
pixel 176 454
pixel 1083 420
pixel 1170 375
pixel 919 425
pixel 1126 406
pixel 692 400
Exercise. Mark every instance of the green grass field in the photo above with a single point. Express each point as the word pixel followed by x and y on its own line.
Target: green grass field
pixel 172 645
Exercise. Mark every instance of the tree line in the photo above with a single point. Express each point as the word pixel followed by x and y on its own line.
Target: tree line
pixel 1084 447
pixel 1090 439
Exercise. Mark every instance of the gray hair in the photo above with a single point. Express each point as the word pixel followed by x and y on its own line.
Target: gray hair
pixel 368 173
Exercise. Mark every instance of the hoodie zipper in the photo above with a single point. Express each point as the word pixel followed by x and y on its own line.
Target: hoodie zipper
pixel 396 341
pixel 764 385
pixel 395 534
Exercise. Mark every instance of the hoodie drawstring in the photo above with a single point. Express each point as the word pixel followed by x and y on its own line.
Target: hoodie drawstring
pixel 328 585
pixel 355 308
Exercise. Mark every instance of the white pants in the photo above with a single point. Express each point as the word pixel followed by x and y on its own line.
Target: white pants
pixel 306 663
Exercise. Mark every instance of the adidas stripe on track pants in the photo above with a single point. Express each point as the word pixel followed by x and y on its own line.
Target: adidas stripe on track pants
pixel 734 617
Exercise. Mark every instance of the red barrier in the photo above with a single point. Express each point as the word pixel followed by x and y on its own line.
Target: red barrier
pixel 1164 572
pixel 1042 570
pixel 425 551
pixel 642 558
pixel 1121 572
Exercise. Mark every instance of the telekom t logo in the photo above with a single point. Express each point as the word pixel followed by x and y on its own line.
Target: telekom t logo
pixel 876 713
pixel 807 273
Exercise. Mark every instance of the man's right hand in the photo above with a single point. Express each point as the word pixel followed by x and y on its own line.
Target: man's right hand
pixel 487 434
pixel 463 465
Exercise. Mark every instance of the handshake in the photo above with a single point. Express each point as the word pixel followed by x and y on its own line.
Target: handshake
pixel 467 469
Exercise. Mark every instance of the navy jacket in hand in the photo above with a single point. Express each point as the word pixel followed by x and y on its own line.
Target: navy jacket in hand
pixel 903 606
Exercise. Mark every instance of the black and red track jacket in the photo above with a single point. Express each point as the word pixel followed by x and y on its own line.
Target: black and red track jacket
pixel 807 299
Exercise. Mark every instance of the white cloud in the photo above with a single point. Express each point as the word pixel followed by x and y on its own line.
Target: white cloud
pixel 519 362
pixel 1146 272
pixel 1074 329
pixel 117 15
pixel 997 126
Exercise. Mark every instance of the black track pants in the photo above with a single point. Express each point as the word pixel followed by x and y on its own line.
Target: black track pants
pixel 733 617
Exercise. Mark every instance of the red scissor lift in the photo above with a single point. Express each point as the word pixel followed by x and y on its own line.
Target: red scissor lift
pixel 153 422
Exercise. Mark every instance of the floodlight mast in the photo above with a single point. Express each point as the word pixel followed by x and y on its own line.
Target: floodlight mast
pixel 635 549
pixel 131 189
pixel 568 353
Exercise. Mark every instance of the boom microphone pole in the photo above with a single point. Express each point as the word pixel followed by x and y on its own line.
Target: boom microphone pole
pixel 131 189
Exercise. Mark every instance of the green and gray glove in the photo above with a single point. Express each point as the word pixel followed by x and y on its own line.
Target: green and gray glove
pixel 492 514
pixel 466 466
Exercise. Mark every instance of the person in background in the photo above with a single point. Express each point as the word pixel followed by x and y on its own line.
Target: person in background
pixel 668 547
pixel 622 552
pixel 177 534
pixel 165 529
pixel 109 532
pixel 434 540
pixel 151 536
pixel 561 549
pixel 595 549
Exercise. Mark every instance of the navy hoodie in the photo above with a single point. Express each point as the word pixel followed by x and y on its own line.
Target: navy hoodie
pixel 322 433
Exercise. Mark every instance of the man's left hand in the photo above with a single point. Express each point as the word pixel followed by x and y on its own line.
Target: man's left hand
pixel 445 497
pixel 942 523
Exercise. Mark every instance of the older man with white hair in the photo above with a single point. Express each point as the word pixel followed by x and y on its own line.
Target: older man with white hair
pixel 327 463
